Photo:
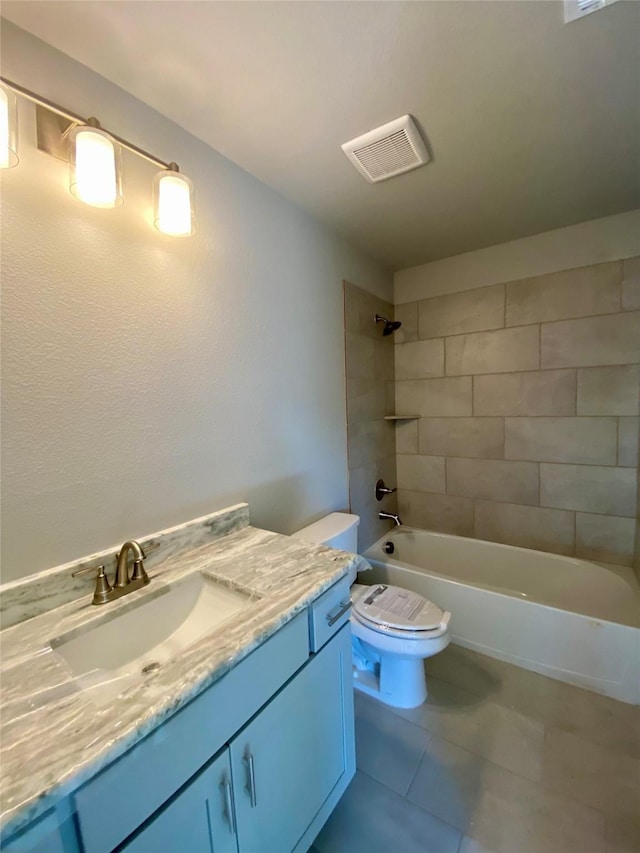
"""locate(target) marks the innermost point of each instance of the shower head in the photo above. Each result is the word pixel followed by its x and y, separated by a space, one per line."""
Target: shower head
pixel 390 326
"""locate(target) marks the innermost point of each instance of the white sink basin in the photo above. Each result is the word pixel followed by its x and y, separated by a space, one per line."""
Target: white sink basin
pixel 135 643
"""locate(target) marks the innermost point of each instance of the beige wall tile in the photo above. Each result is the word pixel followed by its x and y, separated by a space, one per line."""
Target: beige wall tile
pixel 370 440
pixel 631 285
pixel 609 390
pixel 503 351
pixel 360 308
pixel 628 429
pixel 544 392
pixel 357 386
pixel 471 311
pixel 443 513
pixel 605 537
pixel 594 341
pixel 362 482
pixel 420 473
pixel 481 437
pixel 589 488
pixel 590 441
pixel 437 397
pixel 571 293
pixel 383 359
pixel 366 400
pixel 390 388
pixel 419 359
pixel 407 314
pixel 359 356
pixel 526 526
pixel 364 503
pixel 494 479
pixel 407 436
pixel 371 528
pixel 354 451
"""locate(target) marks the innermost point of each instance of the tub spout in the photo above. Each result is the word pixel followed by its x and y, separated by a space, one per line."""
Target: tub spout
pixel 391 517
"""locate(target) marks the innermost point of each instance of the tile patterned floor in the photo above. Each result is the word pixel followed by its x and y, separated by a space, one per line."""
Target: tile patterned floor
pixel 498 760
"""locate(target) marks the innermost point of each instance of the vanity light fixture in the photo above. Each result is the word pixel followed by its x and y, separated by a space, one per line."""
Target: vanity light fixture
pixel 95 157
pixel 173 203
pixel 94 165
pixel 8 128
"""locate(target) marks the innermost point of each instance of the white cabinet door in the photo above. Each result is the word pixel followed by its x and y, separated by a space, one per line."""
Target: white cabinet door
pixel 42 836
pixel 199 819
pixel 286 762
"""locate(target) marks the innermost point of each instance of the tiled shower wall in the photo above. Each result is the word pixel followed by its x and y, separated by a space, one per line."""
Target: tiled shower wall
pixel 369 361
pixel 527 396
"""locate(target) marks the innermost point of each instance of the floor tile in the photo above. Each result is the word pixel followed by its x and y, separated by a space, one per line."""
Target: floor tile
pixel 499 810
pixel 623 833
pixel 603 721
pixel 503 735
pixel 591 774
pixel 448 782
pixel 370 818
pixel 388 748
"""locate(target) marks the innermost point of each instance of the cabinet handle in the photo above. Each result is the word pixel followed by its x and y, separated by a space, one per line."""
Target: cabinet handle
pixel 250 787
pixel 344 606
pixel 230 811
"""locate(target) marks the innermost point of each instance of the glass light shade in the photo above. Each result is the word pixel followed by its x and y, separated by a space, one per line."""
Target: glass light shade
pixel 95 167
pixel 8 128
pixel 173 204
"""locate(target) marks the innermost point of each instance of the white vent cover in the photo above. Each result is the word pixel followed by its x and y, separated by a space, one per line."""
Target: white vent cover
pixel 389 150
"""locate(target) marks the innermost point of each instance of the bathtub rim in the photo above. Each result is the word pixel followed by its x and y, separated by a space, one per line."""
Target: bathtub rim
pixel 627 574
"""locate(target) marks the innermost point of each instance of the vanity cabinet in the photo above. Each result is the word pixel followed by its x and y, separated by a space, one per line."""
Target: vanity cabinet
pixel 263 792
pixel 290 758
pixel 256 762
pixel 43 836
pixel 199 818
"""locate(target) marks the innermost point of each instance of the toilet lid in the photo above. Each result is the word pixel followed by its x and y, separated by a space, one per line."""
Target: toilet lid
pixel 398 608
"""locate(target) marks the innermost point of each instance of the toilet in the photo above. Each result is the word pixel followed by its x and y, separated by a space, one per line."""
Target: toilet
pixel 393 629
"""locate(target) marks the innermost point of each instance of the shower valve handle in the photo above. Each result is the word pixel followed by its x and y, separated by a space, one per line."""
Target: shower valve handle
pixel 382 490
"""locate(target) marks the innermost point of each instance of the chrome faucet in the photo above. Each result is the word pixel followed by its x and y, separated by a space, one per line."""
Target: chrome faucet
pixel 391 517
pixel 122 584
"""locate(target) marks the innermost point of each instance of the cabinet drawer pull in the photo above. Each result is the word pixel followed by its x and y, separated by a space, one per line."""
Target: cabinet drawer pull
pixel 344 606
pixel 250 787
pixel 230 811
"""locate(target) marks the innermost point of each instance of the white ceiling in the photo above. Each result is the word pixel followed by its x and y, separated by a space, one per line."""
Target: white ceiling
pixel 532 124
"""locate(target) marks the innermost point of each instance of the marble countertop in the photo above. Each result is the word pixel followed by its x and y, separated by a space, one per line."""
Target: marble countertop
pixel 53 737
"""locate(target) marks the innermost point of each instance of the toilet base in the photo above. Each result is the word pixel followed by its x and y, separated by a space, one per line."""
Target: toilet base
pixel 401 683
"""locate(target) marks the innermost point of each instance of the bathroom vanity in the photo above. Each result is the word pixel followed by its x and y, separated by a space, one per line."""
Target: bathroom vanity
pixel 242 741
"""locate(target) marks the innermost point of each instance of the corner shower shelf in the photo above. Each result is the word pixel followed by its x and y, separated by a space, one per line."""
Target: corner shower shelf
pixel 401 417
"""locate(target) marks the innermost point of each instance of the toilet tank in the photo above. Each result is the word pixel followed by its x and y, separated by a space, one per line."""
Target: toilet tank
pixel 338 530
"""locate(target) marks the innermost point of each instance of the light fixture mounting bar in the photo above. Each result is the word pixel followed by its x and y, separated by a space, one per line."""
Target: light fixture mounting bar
pixel 74 118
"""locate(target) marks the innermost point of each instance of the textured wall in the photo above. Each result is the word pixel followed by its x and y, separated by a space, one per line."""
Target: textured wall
pixel 370 390
pixel 149 380
pixel 528 397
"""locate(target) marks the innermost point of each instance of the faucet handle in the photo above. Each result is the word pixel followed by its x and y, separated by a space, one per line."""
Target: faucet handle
pixel 103 587
pixel 90 570
pixel 139 572
pixel 382 490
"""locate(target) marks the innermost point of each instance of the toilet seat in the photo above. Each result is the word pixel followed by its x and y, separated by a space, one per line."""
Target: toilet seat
pixel 398 612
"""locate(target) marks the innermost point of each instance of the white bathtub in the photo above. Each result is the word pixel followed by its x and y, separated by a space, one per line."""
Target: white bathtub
pixel 570 619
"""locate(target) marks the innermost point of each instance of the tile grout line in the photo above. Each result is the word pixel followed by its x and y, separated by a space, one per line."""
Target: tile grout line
pixel 515 503
pixel 417 805
pixel 538 783
pixel 540 322
pixel 415 773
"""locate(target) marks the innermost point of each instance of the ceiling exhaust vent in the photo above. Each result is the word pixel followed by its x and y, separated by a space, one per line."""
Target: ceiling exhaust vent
pixel 389 150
